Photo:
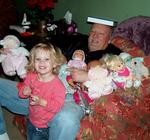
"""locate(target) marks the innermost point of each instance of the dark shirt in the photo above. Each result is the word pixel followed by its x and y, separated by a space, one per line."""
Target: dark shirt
pixel 96 55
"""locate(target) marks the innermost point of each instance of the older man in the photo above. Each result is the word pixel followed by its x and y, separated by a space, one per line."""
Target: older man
pixel 98 44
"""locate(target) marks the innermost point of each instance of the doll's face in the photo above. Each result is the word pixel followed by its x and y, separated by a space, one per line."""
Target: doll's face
pixel 78 55
pixel 10 44
pixel 118 67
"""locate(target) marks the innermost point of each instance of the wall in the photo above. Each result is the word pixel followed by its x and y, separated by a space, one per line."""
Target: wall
pixel 20 4
pixel 117 10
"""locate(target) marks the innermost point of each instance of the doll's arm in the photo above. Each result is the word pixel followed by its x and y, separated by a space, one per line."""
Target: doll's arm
pixel 2 57
pixel 22 50
pixel 70 81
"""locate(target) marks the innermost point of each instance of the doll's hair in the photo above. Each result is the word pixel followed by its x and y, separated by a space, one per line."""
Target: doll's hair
pixel 55 54
pixel 81 51
pixel 111 61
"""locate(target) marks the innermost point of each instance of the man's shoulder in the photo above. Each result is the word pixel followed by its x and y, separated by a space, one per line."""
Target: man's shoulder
pixel 96 55
pixel 113 49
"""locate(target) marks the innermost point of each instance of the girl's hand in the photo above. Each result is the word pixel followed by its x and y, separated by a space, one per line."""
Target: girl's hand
pixel 27 91
pixel 36 100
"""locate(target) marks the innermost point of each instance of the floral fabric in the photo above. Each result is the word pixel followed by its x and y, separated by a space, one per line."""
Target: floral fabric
pixel 121 115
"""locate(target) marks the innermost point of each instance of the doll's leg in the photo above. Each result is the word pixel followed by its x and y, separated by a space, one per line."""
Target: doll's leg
pixel 137 83
pixel 20 67
pixel 8 67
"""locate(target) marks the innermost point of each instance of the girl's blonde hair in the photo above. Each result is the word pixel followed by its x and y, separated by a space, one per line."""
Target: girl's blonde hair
pixel 111 61
pixel 55 54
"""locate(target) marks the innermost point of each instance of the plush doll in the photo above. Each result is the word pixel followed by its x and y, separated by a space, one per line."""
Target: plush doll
pixel 15 60
pixel 121 74
pixel 99 83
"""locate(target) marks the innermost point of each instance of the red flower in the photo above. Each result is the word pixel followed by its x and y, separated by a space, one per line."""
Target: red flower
pixel 38 10
pixel 42 4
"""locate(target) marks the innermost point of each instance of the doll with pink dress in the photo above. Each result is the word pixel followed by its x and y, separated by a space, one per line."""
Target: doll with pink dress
pixel 80 96
pixel 121 74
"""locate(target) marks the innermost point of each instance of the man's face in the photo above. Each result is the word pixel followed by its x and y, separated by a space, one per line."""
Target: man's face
pixel 99 37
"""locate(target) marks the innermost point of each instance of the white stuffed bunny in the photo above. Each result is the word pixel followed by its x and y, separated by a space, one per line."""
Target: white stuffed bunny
pixel 15 60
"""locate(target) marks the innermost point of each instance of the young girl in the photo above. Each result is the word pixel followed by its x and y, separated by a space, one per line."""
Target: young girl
pixel 45 91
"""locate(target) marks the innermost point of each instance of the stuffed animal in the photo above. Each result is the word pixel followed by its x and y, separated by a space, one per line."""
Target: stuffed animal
pixel 138 68
pixel 99 83
pixel 136 64
pixel 15 60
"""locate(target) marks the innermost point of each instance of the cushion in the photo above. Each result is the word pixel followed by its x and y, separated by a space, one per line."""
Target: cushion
pixel 136 29
pixel 128 46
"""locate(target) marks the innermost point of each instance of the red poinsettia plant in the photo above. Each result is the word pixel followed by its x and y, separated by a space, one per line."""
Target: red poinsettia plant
pixel 42 4
pixel 38 10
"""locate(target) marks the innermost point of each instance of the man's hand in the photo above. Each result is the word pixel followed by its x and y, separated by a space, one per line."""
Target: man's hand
pixel 78 75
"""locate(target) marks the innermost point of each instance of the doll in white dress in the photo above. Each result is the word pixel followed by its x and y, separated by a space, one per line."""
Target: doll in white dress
pixel 15 60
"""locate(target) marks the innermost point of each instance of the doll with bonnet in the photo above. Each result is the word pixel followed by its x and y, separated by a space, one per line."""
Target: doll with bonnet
pixel 15 60
pixel 78 62
pixel 81 97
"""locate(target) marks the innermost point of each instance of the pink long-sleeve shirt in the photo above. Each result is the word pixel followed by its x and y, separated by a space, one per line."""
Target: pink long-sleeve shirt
pixel 53 92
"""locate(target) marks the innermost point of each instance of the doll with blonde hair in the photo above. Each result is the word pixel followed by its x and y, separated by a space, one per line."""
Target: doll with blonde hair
pixel 121 74
pixel 44 89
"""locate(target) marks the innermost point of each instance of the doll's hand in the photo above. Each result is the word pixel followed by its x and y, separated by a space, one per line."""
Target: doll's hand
pixel 71 83
pixel 27 91
pixel 5 51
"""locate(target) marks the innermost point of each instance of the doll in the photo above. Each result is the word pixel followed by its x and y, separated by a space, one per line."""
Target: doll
pixel 77 61
pixel 80 96
pixel 121 74
pixel 99 83
pixel 15 60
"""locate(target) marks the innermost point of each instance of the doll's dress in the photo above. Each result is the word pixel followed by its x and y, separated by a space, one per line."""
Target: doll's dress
pixel 121 79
